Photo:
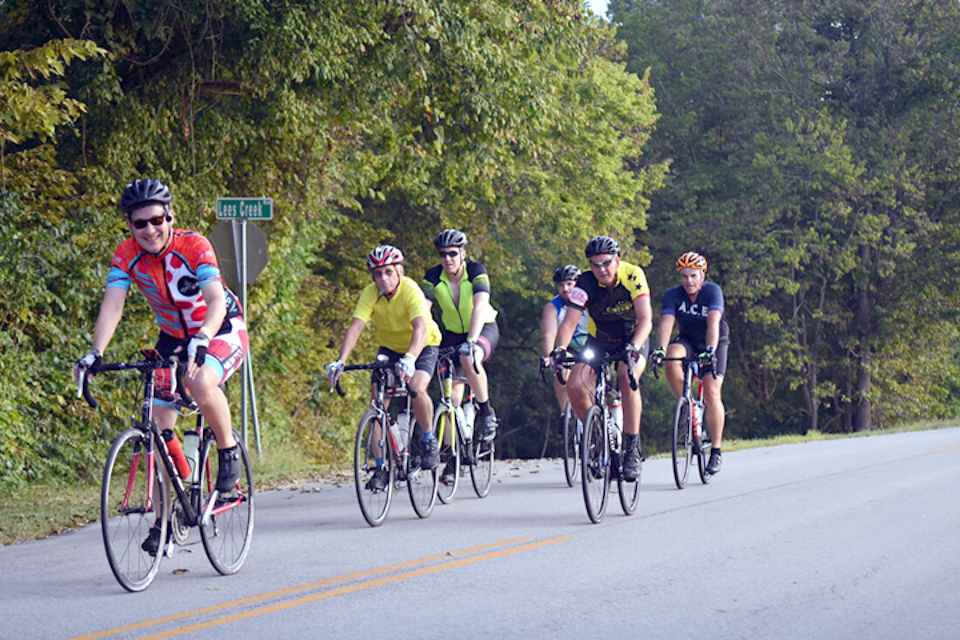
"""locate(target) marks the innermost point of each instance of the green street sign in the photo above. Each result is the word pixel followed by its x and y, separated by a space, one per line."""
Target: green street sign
pixel 244 208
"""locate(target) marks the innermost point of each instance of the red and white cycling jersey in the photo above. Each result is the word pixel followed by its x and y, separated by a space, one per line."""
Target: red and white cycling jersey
pixel 172 281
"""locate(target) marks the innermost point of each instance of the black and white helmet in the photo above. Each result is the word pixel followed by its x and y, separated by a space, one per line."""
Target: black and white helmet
pixel 601 245
pixel 450 238
pixel 384 255
pixel 140 193
pixel 566 272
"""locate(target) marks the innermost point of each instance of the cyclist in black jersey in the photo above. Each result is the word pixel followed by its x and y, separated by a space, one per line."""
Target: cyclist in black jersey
pixel 696 307
pixel 617 297
pixel 461 290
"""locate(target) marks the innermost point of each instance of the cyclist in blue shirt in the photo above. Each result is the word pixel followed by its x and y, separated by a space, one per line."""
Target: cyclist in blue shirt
pixel 565 279
pixel 696 307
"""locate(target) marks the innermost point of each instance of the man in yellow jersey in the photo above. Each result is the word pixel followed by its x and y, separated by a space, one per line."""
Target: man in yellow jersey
pixel 461 289
pixel 617 297
pixel 406 334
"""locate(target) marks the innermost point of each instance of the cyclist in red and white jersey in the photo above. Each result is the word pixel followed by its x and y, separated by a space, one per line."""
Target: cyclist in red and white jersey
pixel 177 272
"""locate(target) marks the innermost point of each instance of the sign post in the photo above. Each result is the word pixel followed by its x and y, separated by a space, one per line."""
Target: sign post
pixel 238 211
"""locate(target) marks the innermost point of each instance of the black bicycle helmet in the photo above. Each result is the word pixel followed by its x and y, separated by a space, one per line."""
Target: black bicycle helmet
pixel 602 244
pixel 566 272
pixel 450 238
pixel 140 193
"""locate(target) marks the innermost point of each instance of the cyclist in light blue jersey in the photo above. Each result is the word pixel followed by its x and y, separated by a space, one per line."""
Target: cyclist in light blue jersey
pixel 564 278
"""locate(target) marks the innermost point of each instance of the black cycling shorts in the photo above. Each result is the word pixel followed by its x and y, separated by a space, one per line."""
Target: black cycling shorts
pixel 696 349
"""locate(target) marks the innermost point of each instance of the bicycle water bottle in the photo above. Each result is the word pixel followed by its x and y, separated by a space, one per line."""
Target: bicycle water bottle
pixel 191 451
pixel 402 426
pixel 469 411
pixel 616 415
pixel 176 452
pixel 697 417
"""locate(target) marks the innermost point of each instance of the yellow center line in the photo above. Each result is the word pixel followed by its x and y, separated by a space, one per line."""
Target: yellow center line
pixel 946 447
pixel 345 590
pixel 289 590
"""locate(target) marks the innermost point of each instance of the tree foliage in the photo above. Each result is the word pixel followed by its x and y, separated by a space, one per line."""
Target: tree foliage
pixel 366 122
pixel 812 152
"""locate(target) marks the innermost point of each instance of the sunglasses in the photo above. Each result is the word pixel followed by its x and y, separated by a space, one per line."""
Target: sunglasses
pixel 142 224
pixel 601 265
pixel 449 254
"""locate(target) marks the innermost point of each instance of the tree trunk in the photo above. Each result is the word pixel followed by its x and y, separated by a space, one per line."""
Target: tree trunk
pixel 861 414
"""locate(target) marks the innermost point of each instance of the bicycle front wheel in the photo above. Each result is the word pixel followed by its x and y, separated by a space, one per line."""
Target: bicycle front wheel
pixel 571 444
pixel 374 496
pixel 595 464
pixel 227 529
pixel 481 465
pixel 133 500
pixel 704 455
pixel 421 484
pixel 449 452
pixel 682 441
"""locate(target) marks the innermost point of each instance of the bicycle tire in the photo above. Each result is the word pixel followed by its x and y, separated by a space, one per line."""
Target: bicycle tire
pixel 481 467
pixel 703 458
pixel 682 441
pixel 371 440
pixel 421 485
pixel 595 464
pixel 449 453
pixel 629 491
pixel 129 508
pixel 571 445
pixel 228 531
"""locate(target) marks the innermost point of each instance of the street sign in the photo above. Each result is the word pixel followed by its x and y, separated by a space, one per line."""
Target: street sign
pixel 255 258
pixel 244 208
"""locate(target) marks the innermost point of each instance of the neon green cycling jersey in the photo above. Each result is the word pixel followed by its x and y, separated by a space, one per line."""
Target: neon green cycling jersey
pixel 455 318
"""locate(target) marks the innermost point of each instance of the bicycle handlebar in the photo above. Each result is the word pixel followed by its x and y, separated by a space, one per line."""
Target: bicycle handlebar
pixel 605 359
pixel 147 366
pixel 687 361
pixel 371 367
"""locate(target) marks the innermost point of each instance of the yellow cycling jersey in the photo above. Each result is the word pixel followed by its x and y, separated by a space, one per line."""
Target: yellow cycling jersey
pixel 456 317
pixel 393 316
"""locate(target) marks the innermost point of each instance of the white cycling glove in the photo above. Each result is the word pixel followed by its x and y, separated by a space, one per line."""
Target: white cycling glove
pixel 334 371
pixel 406 367
pixel 197 347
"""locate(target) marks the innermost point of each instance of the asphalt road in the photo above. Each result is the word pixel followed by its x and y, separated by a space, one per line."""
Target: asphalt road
pixel 854 538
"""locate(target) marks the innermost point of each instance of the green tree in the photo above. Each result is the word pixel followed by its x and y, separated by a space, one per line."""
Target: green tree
pixel 809 164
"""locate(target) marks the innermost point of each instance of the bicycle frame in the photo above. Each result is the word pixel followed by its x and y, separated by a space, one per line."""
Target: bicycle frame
pixel 195 514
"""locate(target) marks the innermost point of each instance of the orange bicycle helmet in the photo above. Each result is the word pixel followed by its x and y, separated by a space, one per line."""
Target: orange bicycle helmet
pixel 691 260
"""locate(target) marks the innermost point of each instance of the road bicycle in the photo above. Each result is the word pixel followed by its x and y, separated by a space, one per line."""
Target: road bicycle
pixel 135 493
pixel 461 447
pixel 601 444
pixel 390 446
pixel 690 435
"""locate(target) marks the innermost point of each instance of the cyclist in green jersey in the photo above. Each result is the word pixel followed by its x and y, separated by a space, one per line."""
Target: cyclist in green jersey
pixel 461 290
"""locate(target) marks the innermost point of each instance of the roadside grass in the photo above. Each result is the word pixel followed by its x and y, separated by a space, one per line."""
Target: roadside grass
pixel 38 511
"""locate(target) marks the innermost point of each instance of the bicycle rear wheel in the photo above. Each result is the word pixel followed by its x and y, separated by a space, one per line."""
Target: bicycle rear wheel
pixel 630 491
pixel 372 443
pixel 595 464
pixel 449 453
pixel 571 445
pixel 132 501
pixel 422 485
pixel 481 465
pixel 682 441
pixel 227 531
